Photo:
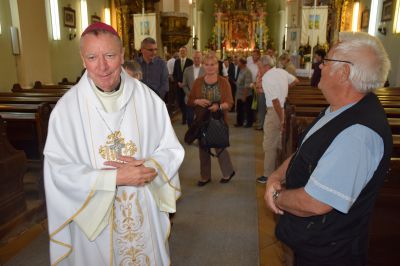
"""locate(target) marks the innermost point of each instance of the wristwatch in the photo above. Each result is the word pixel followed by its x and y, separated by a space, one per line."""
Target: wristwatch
pixel 275 195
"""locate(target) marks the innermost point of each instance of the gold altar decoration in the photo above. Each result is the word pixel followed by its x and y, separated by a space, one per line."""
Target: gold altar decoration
pixel 240 26
pixel 346 15
pixel 124 10
pixel 340 18
pixel 174 30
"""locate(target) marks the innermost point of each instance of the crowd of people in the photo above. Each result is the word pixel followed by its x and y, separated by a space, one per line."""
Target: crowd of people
pixel 112 157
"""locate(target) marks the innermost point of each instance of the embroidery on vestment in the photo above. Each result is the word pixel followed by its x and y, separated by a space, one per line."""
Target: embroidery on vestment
pixel 129 228
pixel 116 146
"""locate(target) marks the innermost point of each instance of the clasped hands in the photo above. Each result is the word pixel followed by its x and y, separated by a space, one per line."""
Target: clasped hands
pixel 213 107
pixel 273 185
pixel 132 172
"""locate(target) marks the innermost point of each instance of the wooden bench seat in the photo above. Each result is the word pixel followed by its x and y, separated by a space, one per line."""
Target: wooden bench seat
pixel 39 85
pixel 35 99
pixel 315 110
pixel 302 117
pixel 32 94
pixel 42 88
pixel 324 103
pixel 385 222
pixel 18 107
pixel 321 97
pixel 27 130
pixel 12 168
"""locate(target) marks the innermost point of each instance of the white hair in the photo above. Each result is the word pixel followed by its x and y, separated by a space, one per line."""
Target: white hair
pixel 370 62
pixel 267 60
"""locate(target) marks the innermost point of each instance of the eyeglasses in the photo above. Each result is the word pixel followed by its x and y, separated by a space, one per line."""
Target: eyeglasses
pixel 151 50
pixel 335 60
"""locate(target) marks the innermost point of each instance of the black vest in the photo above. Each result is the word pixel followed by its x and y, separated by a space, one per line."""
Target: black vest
pixel 335 234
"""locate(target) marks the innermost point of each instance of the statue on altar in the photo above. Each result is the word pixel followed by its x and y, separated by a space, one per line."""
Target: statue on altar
pixel 240 25
pixel 240 4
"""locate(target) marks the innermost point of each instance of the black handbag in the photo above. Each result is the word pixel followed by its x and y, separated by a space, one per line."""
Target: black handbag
pixel 214 132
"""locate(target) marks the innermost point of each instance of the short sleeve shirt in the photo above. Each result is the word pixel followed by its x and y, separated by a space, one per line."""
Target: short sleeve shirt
pixel 346 166
pixel 275 84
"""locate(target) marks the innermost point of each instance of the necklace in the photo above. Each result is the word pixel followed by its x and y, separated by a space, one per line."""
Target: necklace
pixel 115 139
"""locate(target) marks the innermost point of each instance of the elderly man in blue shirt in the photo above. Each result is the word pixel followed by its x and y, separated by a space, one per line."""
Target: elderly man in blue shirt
pixel 155 72
pixel 333 179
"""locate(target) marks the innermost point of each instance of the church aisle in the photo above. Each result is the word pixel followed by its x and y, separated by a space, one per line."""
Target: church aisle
pixel 217 224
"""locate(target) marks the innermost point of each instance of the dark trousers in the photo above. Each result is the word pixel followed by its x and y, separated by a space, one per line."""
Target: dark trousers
pixel 170 98
pixel 189 115
pixel 224 161
pixel 249 112
pixel 239 112
pixel 233 88
pixel 181 103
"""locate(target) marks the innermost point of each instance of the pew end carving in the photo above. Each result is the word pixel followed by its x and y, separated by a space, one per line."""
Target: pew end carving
pixel 13 165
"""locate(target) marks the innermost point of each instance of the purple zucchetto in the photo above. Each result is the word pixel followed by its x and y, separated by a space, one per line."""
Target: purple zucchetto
pixel 99 26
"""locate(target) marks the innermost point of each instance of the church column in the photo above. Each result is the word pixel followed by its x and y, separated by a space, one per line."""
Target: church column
pixel 200 32
pixel 218 15
pixel 282 22
pixel 126 24
pixel 261 28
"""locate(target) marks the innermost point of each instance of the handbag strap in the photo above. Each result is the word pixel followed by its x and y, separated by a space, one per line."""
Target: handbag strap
pixel 217 115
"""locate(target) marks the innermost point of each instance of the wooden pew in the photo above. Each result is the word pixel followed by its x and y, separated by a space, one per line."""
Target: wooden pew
pixel 298 123
pixel 303 81
pixel 16 107
pixel 299 117
pixel 385 222
pixel 313 111
pixel 38 85
pixel 33 99
pixel 324 103
pixel 28 130
pixel 19 89
pixel 55 93
pixel 65 81
pixel 321 97
pixel 308 90
pixel 12 168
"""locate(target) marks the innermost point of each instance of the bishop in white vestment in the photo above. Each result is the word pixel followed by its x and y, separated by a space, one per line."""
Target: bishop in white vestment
pixel 92 135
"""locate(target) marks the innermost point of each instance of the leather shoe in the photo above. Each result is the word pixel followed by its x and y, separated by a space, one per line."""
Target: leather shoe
pixel 247 126
pixel 226 180
pixel 202 183
pixel 237 125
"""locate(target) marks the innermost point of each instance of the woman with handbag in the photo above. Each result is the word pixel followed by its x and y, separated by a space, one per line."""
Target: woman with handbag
pixel 210 94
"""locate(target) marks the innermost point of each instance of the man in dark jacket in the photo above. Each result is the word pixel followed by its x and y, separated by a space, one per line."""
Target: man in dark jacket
pixel 179 67
pixel 319 56
pixel 332 180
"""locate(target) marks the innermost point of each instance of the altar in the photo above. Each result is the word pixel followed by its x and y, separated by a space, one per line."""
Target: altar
pixel 239 27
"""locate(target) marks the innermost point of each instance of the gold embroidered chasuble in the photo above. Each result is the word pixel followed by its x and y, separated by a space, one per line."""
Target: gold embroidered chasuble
pixel 87 213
